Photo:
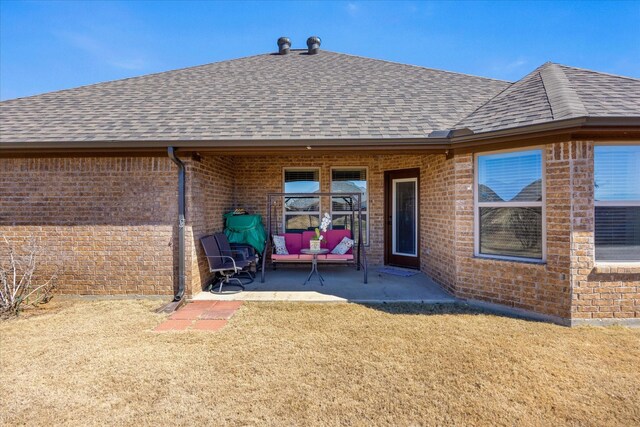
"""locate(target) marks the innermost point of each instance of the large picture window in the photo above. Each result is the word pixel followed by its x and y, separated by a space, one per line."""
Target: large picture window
pixel 617 202
pixel 351 180
pixel 301 213
pixel 509 205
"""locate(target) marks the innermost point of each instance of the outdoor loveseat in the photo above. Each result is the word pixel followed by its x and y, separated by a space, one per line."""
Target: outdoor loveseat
pixel 297 241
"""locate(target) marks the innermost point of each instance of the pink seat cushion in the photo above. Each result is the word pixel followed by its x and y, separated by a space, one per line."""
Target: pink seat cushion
pixel 276 257
pixel 331 239
pixel 293 242
pixel 335 236
pixel 307 257
pixel 339 257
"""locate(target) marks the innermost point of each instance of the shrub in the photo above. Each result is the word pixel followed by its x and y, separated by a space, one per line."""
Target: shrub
pixel 21 280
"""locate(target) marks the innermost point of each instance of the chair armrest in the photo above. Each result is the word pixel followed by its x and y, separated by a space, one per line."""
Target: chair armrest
pixel 235 267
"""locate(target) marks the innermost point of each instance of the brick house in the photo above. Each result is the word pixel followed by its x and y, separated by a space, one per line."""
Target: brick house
pixel 526 194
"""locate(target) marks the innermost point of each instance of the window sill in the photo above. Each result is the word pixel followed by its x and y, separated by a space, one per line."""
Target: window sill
pixel 617 267
pixel 510 259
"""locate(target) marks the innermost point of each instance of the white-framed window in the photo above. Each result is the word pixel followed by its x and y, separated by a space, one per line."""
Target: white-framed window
pixel 350 180
pixel 301 213
pixel 617 203
pixel 509 205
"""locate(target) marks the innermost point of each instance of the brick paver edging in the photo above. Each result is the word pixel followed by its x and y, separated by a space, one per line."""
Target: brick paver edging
pixel 200 316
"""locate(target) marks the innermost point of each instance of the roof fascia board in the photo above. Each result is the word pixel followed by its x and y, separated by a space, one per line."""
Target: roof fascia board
pixel 382 144
pixel 563 126
pixel 522 130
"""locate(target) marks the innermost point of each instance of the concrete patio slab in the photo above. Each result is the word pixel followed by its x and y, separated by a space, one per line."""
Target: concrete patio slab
pixel 342 284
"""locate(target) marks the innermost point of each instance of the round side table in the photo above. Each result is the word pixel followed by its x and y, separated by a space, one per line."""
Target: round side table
pixel 314 263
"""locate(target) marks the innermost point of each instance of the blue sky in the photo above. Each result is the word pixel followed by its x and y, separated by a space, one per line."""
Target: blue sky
pixel 50 45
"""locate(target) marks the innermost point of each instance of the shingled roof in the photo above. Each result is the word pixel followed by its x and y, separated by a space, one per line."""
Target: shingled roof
pixel 327 96
pixel 555 92
pixel 296 96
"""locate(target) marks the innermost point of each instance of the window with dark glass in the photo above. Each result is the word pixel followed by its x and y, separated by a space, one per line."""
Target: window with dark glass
pixel 617 202
pixel 301 213
pixel 509 205
pixel 352 180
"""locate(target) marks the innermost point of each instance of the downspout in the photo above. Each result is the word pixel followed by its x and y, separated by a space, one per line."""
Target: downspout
pixel 181 222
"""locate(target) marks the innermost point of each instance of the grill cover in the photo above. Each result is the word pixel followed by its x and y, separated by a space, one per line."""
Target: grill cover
pixel 246 229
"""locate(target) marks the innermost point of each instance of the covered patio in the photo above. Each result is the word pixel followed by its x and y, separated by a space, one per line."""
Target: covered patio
pixel 341 284
pixel 291 200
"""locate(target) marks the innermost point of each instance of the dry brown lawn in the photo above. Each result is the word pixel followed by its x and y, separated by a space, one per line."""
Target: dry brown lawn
pixel 97 363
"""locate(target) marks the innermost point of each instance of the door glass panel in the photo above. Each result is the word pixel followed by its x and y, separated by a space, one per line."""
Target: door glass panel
pixel 404 221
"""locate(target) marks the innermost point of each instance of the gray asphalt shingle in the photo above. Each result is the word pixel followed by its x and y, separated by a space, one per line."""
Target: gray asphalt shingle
pixel 299 96
pixel 555 92
pixel 605 94
pixel 296 96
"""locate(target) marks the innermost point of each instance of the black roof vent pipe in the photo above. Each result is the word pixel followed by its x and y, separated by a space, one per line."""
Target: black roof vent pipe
pixel 284 44
pixel 313 43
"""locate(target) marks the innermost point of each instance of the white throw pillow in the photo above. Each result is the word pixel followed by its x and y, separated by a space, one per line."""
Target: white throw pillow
pixel 281 246
pixel 343 247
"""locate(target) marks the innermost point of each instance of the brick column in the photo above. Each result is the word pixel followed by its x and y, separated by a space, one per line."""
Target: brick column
pixel 601 293
pixel 463 211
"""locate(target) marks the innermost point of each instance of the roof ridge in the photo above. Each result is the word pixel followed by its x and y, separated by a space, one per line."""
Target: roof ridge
pixel 510 86
pixel 420 66
pixel 563 99
pixel 546 94
pixel 243 58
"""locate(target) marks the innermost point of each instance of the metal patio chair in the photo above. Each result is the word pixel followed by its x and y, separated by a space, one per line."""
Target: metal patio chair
pixel 239 253
pixel 225 265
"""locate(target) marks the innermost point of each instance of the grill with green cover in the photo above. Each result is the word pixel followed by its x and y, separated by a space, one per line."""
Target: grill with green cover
pixel 246 229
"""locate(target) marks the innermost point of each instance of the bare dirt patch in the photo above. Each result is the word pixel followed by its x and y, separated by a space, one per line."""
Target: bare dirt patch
pixel 299 364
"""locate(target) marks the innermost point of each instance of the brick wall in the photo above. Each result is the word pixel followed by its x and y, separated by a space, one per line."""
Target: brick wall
pixel 569 285
pixel 603 291
pixel 210 186
pixel 257 176
pixel 543 288
pixel 107 221
pixel 110 221
pixel 437 220
pixel 447 233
